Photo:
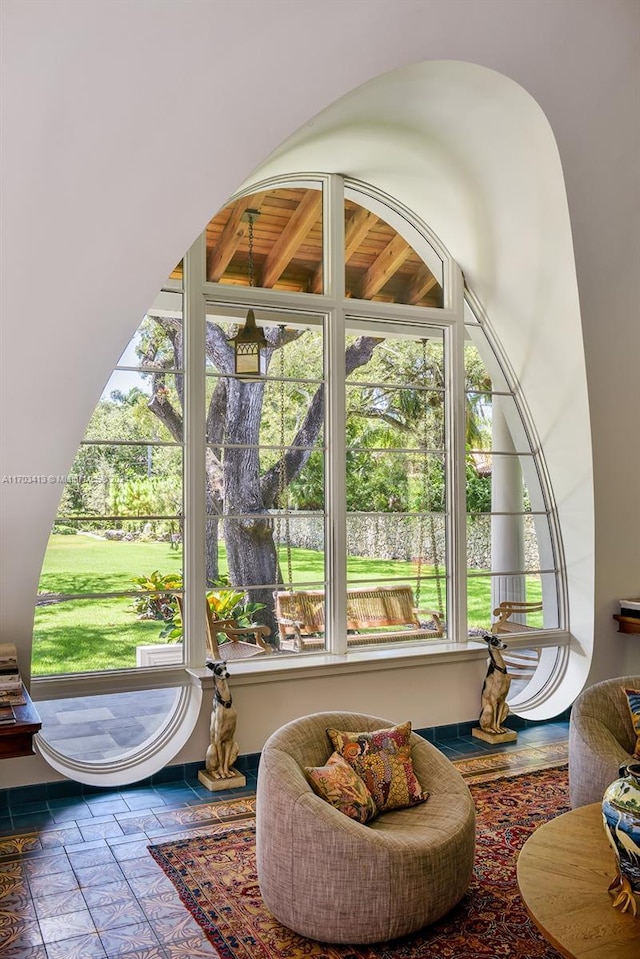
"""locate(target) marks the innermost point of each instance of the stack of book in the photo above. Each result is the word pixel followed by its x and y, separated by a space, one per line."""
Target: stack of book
pixel 630 608
pixel 11 691
pixel 629 618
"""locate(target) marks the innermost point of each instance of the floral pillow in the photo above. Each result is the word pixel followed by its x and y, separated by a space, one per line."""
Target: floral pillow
pixel 340 785
pixel 382 759
pixel 633 699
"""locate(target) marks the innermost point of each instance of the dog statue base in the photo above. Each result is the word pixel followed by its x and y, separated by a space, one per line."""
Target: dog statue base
pixel 235 781
pixel 507 737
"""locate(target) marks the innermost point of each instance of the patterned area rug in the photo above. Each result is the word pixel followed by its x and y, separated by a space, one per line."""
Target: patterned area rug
pixel 513 762
pixel 215 876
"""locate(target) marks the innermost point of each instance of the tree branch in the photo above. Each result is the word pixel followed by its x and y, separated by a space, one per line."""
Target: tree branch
pixel 289 466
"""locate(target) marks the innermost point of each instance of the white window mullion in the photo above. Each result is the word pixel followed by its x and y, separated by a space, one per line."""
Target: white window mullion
pixel 194 456
pixel 455 470
pixel 335 434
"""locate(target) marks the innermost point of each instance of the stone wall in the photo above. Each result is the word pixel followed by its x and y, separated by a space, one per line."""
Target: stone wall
pixel 396 536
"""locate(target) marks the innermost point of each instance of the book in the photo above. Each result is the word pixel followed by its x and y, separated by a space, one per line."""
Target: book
pixel 10 684
pixel 7 716
pixel 630 608
pixel 12 699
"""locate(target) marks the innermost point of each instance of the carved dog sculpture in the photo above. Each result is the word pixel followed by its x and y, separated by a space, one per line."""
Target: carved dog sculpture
pixel 494 709
pixel 223 751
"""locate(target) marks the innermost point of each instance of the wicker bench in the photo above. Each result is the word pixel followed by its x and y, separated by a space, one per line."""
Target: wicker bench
pixel 301 619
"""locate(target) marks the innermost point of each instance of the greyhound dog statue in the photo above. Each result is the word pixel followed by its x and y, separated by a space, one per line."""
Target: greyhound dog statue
pixel 223 750
pixel 494 708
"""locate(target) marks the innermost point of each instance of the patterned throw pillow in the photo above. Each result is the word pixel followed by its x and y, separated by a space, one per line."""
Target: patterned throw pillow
pixel 633 698
pixel 340 785
pixel 382 759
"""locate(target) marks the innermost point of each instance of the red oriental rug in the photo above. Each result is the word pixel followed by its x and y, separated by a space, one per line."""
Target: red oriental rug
pixel 215 876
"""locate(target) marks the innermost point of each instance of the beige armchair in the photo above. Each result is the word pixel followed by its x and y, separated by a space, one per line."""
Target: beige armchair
pixel 330 878
pixel 601 738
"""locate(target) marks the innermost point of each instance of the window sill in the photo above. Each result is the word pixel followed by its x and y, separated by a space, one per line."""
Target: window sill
pixel 275 668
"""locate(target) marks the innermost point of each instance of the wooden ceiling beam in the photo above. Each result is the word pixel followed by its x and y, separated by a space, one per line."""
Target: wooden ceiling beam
pixel 383 267
pixel 421 283
pixel 306 214
pixel 359 224
pixel 219 256
pixel 356 230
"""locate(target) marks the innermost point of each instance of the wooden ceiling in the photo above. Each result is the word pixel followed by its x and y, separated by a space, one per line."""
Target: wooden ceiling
pixel 287 247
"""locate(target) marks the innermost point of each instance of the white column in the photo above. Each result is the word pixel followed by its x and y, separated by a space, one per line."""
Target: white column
pixel 507 532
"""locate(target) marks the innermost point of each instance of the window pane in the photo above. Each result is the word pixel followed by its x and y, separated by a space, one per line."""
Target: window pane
pixel 284 229
pixel 265 462
pixel 485 532
pixel 157 343
pixel 112 480
pixel 89 635
pixel 139 407
pixel 532 588
pixel 389 262
pixel 98 728
pixel 395 487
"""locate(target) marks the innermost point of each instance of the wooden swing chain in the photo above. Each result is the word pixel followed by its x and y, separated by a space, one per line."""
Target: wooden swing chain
pixel 425 479
pixel 283 499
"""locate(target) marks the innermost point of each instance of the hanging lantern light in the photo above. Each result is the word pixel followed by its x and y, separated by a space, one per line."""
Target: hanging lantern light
pixel 249 342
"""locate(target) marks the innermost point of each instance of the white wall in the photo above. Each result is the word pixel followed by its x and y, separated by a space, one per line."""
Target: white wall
pixel 122 133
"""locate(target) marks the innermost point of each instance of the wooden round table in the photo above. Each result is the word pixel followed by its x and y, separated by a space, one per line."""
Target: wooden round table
pixel 564 871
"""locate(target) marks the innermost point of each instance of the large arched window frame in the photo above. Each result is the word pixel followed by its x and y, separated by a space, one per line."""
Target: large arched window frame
pixel 452 318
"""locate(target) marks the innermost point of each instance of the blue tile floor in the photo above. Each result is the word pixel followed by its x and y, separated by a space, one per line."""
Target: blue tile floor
pixel 77 882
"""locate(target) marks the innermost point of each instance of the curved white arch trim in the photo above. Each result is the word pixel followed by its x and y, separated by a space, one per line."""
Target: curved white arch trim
pixel 136 764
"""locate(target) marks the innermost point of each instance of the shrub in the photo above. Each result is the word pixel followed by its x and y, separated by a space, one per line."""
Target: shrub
pixel 157 600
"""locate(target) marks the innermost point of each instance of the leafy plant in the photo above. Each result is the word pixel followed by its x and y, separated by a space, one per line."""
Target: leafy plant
pixel 157 600
pixel 225 603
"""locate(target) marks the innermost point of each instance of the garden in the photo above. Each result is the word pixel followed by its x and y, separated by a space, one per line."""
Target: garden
pixel 102 632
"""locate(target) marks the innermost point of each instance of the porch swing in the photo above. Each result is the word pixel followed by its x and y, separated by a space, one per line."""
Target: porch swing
pixel 300 614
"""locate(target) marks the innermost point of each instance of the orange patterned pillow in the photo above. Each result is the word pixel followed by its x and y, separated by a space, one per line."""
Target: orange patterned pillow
pixel 341 786
pixel 382 759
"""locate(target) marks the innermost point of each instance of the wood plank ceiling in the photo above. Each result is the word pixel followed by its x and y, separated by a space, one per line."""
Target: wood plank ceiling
pixel 287 247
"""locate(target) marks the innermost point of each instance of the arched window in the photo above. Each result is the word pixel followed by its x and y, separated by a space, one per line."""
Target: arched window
pixel 378 485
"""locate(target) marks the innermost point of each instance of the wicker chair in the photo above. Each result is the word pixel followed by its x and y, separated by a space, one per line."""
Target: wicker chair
pixel 601 738
pixel 330 878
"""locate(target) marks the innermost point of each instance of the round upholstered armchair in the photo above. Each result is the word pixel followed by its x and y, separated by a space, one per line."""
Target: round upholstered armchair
pixel 601 738
pixel 334 879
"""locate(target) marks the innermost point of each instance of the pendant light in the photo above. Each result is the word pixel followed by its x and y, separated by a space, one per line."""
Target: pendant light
pixel 249 342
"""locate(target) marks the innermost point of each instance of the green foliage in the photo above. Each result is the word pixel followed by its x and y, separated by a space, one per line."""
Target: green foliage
pixel 146 496
pixel 225 603
pixel 478 490
pixel 60 529
pixel 157 600
pixel 98 467
pixel 306 491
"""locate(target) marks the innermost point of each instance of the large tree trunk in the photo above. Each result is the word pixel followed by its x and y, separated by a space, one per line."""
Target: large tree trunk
pixel 251 551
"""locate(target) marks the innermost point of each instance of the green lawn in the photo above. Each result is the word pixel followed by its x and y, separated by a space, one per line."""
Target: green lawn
pixel 84 635
pixel 82 564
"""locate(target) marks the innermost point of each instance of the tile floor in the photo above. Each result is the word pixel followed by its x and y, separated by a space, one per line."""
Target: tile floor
pixel 77 882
